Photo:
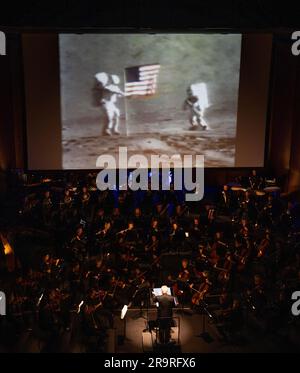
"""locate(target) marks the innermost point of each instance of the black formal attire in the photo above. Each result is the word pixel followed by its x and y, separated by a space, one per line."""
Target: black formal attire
pixel 164 316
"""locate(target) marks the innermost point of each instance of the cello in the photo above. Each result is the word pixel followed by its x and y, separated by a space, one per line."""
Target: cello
pixel 202 291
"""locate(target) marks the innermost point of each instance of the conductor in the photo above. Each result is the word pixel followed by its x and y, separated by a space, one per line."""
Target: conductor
pixel 164 314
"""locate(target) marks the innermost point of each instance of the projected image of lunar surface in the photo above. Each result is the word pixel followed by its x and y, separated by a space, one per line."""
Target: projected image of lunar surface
pixel 154 94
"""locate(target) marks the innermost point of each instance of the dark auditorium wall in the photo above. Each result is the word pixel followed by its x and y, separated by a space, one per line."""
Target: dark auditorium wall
pixel 283 158
pixel 294 174
pixel 11 111
pixel 7 151
pixel 11 106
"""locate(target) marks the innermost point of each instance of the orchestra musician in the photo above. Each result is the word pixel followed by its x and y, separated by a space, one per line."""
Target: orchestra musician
pixel 226 201
pixel 181 286
pixel 131 233
pixel 248 206
pixel 242 251
pixel 138 219
pixel 85 196
pixel 99 220
pixel 182 215
pixel 161 214
pixel 245 230
pixel 256 295
pixel 104 238
pixel 79 245
pixel 47 208
pixel 202 290
pixel 227 263
pixel 202 259
pixel 85 207
pixel 226 269
pixel 218 249
pixel 66 208
pixel 52 316
pixel 51 269
pixel 264 246
pixel 76 283
pixel 255 182
pixel 196 230
pixel 152 251
pixel 117 220
pixel 95 317
pixel 176 236
pixel 155 229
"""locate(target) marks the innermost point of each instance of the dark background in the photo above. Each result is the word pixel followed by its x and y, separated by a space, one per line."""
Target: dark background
pixel 149 14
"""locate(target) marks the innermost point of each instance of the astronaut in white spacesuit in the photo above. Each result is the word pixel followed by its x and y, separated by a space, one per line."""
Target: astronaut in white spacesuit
pixel 110 91
pixel 196 103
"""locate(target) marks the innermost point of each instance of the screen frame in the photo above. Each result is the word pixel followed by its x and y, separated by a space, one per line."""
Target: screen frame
pixel 117 31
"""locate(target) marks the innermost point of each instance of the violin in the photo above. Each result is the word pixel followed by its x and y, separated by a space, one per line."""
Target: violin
pixel 151 247
pixel 263 246
pixel 85 198
pixel 96 295
pixel 182 212
pixel 55 299
pixel 184 275
pixel 244 231
pixel 242 257
pixel 224 275
pixel 201 293
pixel 90 309
pixel 66 202
pixel 164 210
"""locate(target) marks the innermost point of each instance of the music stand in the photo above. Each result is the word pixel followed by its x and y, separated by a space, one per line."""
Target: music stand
pixel 203 306
pixel 204 334
pixel 157 292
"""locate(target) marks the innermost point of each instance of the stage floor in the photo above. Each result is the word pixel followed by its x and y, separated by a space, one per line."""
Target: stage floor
pixel 252 340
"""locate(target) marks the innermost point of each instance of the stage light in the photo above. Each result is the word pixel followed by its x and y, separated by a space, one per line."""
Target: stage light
pixel 7 248
pixel 124 311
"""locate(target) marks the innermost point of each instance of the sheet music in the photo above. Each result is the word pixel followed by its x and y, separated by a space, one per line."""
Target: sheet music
pixel 157 291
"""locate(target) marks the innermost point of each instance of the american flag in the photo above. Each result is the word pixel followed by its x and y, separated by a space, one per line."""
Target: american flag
pixel 141 80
